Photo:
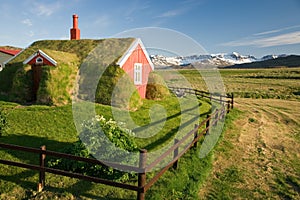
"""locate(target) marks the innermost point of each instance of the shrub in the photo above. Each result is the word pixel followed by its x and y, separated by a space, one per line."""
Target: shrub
pixel 97 140
pixel 156 87
pixel 117 89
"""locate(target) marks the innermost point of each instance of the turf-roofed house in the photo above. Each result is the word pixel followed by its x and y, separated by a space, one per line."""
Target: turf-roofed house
pixel 47 71
pixel 6 54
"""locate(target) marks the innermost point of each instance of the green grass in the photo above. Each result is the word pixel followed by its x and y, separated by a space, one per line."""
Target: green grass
pixel 184 182
pixel 38 125
pixel 224 185
pixel 54 127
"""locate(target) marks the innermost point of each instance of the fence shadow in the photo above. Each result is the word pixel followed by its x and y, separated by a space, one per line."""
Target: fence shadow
pixel 34 142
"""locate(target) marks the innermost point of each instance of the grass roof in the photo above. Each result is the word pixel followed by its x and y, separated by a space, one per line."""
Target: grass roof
pixel 55 86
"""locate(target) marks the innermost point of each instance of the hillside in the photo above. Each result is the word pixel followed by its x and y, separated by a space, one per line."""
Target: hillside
pixel 288 61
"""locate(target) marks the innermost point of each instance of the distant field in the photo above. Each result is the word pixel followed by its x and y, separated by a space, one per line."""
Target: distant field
pixel 277 83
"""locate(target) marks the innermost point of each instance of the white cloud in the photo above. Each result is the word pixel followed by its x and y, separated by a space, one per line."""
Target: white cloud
pixel 283 39
pixel 267 32
pixel 171 13
pixel 27 22
pixel 276 30
pixel 182 8
pixel 263 40
pixel 42 9
pixel 136 6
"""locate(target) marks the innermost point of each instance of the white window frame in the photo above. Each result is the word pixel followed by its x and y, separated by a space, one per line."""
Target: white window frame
pixel 39 62
pixel 138 73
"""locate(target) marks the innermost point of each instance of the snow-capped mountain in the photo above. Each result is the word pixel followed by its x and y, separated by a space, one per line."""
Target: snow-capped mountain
pixel 269 57
pixel 218 60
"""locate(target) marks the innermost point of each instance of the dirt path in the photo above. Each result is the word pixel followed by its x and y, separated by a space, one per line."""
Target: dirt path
pixel 259 157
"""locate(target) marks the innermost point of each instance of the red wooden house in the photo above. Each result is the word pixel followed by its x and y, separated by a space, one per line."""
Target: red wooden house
pixel 137 64
pixel 128 53
pixel 37 60
pixel 134 59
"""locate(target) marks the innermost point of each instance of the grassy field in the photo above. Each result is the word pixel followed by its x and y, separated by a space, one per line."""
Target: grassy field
pixel 258 156
pixel 258 152
pixel 281 83
pixel 37 125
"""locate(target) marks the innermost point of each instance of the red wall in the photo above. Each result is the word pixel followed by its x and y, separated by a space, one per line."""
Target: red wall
pixel 138 56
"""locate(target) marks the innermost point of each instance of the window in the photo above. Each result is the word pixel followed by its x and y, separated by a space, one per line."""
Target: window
pixel 137 73
pixel 39 60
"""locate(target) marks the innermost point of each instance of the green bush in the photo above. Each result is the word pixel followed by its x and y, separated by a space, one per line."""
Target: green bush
pixel 156 87
pixel 117 89
pixel 100 135
pixel 21 90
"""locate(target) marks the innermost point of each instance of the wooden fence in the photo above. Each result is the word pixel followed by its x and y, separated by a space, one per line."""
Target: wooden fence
pixel 143 185
pixel 222 99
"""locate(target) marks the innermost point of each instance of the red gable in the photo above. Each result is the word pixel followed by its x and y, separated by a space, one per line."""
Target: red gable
pixel 137 64
pixel 40 58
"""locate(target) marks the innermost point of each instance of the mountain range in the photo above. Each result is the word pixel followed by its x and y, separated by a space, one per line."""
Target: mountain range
pixel 220 60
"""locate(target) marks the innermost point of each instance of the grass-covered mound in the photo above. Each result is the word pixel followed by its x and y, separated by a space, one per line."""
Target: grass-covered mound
pixel 156 87
pixel 16 78
pixel 56 84
pixel 116 88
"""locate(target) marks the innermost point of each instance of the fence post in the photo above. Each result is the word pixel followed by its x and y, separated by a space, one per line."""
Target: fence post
pixel 41 183
pixel 216 117
pixel 231 100
pixel 223 112
pixel 228 106
pixel 142 175
pixel 207 124
pixel 175 165
pixel 195 135
pixel 221 99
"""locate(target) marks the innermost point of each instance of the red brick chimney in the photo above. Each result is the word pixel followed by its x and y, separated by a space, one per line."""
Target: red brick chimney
pixel 75 32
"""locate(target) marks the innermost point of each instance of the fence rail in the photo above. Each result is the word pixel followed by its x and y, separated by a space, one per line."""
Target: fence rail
pixel 203 94
pixel 142 185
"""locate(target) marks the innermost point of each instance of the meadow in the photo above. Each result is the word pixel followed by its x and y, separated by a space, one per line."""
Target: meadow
pixel 272 93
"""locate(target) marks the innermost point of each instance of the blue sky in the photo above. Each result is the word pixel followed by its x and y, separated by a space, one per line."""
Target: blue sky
pixel 256 27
